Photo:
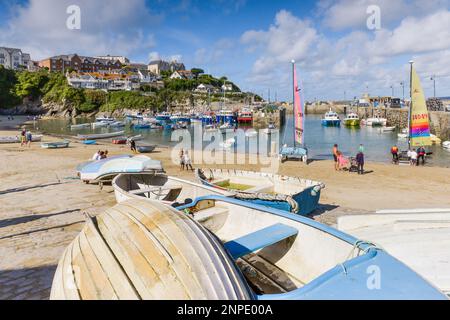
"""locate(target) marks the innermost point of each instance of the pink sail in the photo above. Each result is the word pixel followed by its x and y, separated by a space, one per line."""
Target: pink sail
pixel 298 112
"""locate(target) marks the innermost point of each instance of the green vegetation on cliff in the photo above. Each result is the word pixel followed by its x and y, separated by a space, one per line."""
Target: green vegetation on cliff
pixel 19 86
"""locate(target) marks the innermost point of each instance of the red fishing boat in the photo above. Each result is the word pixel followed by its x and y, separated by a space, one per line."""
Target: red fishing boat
pixel 245 116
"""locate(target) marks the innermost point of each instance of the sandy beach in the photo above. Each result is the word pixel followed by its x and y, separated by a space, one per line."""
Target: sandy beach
pixel 43 204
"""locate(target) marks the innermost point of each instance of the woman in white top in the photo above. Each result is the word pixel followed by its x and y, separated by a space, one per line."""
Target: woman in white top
pixel 187 161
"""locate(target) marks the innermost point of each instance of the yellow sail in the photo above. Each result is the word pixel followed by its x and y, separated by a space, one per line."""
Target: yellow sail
pixel 419 120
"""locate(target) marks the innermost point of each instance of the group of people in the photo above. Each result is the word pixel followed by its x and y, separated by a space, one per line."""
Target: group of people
pixel 100 155
pixel 25 138
pixel 341 162
pixel 414 156
pixel 185 160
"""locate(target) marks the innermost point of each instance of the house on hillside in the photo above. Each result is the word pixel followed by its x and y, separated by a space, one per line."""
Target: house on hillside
pixel 146 76
pixel 182 74
pixel 158 66
pixel 12 58
pixel 205 88
pixel 227 87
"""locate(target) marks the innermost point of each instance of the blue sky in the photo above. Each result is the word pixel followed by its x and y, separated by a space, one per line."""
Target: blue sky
pixel 252 41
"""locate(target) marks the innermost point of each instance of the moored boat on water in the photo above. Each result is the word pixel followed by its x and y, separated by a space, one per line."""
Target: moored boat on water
pixel 331 119
pixel 80 126
pixel 245 116
pixel 299 196
pixel 147 250
pixel 100 135
pixel 376 121
pixel 352 120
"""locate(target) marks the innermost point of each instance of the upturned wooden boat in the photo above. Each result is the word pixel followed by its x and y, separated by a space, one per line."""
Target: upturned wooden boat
pixel 142 250
pixel 161 187
pixel 120 140
pixel 300 196
pixel 222 248
pixel 100 135
pixel 145 148
pixel 16 139
pixel 55 145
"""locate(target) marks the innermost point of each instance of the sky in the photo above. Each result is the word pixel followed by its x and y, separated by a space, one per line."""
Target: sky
pixel 252 42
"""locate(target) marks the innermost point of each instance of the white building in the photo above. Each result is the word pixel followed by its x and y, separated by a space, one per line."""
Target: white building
pixel 182 74
pixel 96 81
pixel 122 59
pixel 146 76
pixel 12 58
pixel 204 88
pixel 227 87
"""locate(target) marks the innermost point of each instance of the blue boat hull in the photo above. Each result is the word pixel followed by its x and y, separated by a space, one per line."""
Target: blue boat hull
pixel 331 123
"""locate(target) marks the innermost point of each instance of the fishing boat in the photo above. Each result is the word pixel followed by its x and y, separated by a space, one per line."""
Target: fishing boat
pixel 117 124
pixel 80 126
pixel 55 145
pixel 331 119
pixel 245 116
pixel 299 196
pixel 100 135
pixel 226 116
pixel 418 121
pixel 89 142
pixel 164 116
pixel 144 250
pixel 352 120
pixel 388 129
pixel 406 231
pixel 222 248
pixel 207 119
pixel 145 148
pixel 119 140
pixel 298 150
pixel 161 187
pixel 101 124
pixel 376 121
pixel 105 119
pixel 106 171
pixel 140 126
pixel 446 144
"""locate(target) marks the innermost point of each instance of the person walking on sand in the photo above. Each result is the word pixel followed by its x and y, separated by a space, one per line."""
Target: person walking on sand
pixel 421 153
pixel 23 137
pixel 413 161
pixel 187 161
pixel 394 152
pixel 181 159
pixel 360 162
pixel 335 156
pixel 133 146
pixel 29 137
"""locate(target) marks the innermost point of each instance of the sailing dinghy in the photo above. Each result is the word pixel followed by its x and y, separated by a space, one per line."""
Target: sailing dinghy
pixel 300 196
pixel 298 150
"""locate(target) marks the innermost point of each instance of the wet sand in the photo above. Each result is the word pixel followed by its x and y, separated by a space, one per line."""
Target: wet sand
pixel 42 203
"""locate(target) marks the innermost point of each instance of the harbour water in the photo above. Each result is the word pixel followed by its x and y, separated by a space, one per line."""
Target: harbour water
pixel 318 139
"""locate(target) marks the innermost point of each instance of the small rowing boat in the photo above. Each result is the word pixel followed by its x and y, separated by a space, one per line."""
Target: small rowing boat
pixel 55 145
pixel 120 140
pixel 101 124
pixel 145 148
pixel 80 126
pixel 16 139
pixel 299 196
pixel 161 187
pixel 100 135
pixel 107 169
pixel 89 142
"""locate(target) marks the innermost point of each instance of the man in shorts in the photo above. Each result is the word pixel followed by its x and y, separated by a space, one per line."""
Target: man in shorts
pixel 335 157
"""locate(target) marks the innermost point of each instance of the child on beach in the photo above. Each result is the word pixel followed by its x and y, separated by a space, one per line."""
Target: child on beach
pixel 182 159
pixel 23 137
pixel 29 137
pixel 187 161
pixel 341 160
pixel 96 156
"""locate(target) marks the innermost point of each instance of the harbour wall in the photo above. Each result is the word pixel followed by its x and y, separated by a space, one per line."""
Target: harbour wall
pixel 439 120
pixel 261 119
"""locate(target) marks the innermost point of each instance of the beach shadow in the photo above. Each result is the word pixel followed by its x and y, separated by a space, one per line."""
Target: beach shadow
pixel 26 219
pixel 30 188
pixel 27 283
pixel 368 172
pixel 321 209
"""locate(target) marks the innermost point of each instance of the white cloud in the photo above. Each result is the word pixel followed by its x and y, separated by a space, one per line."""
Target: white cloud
pixel 114 27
